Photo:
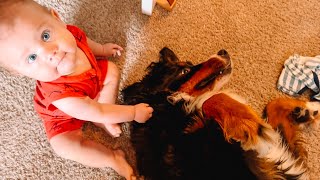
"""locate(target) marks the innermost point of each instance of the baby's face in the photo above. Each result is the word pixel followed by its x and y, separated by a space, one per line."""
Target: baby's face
pixel 38 45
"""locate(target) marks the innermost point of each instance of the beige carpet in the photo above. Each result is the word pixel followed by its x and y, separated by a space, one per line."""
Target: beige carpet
pixel 259 35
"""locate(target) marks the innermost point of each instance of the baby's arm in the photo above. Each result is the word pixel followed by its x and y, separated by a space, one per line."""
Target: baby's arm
pixel 91 110
pixel 104 50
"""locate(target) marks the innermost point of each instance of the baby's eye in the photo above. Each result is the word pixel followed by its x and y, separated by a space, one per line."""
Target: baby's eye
pixel 45 36
pixel 32 58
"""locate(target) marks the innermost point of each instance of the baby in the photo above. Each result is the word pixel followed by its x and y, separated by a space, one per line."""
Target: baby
pixel 72 87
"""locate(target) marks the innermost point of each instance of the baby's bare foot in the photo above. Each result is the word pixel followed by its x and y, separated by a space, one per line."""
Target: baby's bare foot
pixel 113 129
pixel 123 168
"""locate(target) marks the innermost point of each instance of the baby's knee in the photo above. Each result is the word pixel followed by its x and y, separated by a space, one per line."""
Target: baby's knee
pixel 64 144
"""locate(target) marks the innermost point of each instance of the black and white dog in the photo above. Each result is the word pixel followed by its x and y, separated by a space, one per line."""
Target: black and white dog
pixel 198 132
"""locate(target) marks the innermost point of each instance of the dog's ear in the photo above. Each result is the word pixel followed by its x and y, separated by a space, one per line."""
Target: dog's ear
pixel 167 55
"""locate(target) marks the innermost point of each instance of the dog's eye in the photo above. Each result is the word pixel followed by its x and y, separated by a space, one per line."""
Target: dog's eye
pixel 185 71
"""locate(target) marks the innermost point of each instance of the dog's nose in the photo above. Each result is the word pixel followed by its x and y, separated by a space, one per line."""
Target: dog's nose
pixel 224 53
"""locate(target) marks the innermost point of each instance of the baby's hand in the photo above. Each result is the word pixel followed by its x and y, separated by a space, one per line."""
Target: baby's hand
pixel 110 49
pixel 142 112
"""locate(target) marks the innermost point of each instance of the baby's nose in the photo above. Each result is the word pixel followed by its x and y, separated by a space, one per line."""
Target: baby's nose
pixel 52 55
pixel 49 52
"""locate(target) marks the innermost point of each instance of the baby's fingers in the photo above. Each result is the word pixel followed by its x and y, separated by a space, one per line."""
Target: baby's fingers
pixel 116 53
pixel 116 46
pixel 143 112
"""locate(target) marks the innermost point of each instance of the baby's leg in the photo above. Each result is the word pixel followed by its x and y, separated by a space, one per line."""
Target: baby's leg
pixel 109 94
pixel 71 145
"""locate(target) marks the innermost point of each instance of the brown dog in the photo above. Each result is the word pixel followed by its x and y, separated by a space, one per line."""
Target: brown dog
pixel 203 125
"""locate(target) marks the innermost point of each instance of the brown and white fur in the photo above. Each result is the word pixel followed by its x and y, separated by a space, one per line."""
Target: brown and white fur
pixel 270 149
pixel 274 149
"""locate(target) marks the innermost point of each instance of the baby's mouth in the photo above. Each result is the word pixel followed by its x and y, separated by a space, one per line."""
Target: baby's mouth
pixel 64 55
pixel 62 58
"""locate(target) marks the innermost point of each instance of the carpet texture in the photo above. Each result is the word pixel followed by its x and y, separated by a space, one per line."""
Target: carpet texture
pixel 259 35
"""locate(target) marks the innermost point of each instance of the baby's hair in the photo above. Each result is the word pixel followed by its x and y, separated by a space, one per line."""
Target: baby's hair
pixel 7 13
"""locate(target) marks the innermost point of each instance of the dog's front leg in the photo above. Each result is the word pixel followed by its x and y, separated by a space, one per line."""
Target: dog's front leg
pixel 238 121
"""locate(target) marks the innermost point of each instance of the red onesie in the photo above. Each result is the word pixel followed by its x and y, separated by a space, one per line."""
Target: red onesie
pixel 88 83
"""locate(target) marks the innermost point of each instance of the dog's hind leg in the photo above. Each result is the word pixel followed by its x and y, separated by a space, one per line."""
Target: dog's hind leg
pixel 238 121
pixel 299 113
pixel 290 117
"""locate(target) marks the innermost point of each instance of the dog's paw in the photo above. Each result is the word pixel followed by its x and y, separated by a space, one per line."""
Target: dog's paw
pixel 307 115
pixel 300 115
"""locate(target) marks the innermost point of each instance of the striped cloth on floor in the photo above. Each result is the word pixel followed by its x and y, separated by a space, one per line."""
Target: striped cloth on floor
pixel 299 74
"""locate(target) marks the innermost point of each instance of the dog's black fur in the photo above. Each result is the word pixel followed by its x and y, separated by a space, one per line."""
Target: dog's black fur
pixel 163 150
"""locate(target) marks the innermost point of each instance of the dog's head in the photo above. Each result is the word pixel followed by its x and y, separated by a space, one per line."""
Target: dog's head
pixel 171 74
pixel 210 75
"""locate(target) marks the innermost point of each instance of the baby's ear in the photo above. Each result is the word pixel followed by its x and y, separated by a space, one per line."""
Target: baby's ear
pixel 55 14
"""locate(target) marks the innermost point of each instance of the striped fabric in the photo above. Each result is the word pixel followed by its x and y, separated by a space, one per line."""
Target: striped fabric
pixel 299 74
